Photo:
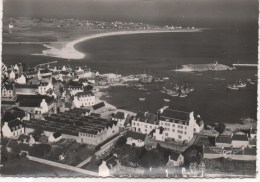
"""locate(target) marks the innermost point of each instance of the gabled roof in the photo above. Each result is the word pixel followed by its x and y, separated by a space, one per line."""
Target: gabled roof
pixel 240 138
pixel 84 94
pixel 135 135
pixel 224 139
pixel 8 86
pixel 98 106
pixel 174 114
pixel 174 156
pixel 25 86
pixel 119 115
pixel 56 134
pixel 147 117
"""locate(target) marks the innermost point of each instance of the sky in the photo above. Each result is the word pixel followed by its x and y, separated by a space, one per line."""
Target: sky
pixel 147 11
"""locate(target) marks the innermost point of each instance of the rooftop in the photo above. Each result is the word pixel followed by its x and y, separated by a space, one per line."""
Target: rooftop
pixel 147 117
pixel 240 138
pixel 135 135
pixel 224 139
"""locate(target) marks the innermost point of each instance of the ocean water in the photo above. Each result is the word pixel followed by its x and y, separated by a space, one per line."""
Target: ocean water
pixel 160 54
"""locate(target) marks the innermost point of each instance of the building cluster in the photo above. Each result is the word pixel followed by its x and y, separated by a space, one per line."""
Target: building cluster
pixel 237 146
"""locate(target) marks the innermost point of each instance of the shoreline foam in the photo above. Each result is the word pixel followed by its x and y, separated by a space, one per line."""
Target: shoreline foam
pixel 68 50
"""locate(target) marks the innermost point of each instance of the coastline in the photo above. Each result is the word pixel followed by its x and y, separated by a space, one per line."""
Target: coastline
pixel 68 50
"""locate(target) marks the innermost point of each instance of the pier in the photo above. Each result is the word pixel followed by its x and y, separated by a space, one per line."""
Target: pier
pixel 245 65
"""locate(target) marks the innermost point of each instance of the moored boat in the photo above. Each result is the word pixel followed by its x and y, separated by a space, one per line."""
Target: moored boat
pixel 166 100
pixel 232 87
pixel 142 99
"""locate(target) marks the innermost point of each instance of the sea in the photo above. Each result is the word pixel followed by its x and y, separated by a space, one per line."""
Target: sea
pixel 160 54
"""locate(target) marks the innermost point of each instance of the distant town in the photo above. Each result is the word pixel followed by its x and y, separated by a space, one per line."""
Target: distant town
pixel 55 115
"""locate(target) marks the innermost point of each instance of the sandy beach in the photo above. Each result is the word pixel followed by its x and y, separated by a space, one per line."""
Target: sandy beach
pixel 68 50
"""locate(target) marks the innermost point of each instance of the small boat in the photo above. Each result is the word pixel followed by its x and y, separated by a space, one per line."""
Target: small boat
pixel 222 79
pixel 166 100
pixel 240 85
pixel 232 87
pixel 252 83
pixel 142 99
pixel 183 95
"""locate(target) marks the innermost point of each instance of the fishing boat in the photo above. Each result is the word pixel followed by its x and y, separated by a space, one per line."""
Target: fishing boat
pixel 142 99
pixel 232 87
pixel 166 100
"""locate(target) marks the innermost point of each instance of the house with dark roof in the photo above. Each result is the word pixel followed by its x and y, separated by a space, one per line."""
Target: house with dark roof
pixel 8 91
pixel 55 137
pixel 240 140
pixel 175 159
pixel 135 139
pixel 120 117
pixel 179 125
pixel 15 113
pixel 71 125
pixel 223 141
pixel 44 87
pixel 37 104
pixel 25 89
pixel 13 129
pixel 107 166
pixel 84 99
pixel 99 108
pixel 145 122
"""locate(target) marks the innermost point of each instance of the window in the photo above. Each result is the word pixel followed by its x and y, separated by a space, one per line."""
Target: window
pixel 166 134
pixel 179 131
pixel 145 130
pixel 173 125
pixel 133 123
pixel 145 125
pixel 179 136
pixel 185 127
pixel 151 127
pixel 179 126
pixel 185 132
pixel 173 130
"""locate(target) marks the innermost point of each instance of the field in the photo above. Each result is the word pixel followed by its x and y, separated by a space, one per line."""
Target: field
pixel 25 167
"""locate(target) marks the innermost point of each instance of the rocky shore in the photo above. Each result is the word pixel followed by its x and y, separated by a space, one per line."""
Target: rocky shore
pixel 204 67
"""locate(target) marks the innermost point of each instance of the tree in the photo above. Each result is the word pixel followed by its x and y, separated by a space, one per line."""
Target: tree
pixel 37 134
pixel 121 141
pixel 39 150
pixel 88 88
pixel 221 128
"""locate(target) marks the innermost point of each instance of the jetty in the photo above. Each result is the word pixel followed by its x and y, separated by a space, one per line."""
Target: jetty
pixel 245 65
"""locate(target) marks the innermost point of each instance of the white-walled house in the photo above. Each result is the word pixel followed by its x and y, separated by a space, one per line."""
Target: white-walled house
pixel 21 79
pixel 175 160
pixel 12 129
pixel 168 124
pixel 83 99
pixel 120 117
pixel 44 87
pixel 8 91
pixel 145 122
pixel 135 139
pixel 107 166
pixel 37 104
pixel 178 125
pixel 12 75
